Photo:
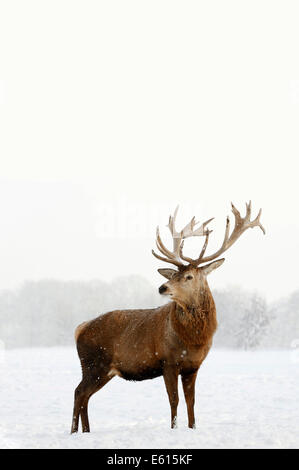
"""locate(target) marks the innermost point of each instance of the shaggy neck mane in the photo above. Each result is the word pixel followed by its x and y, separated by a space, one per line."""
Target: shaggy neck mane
pixel 195 322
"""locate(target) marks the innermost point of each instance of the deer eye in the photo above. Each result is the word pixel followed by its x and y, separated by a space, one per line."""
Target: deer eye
pixel 189 277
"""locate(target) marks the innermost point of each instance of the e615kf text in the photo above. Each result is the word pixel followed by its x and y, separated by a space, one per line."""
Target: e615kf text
pixel 174 459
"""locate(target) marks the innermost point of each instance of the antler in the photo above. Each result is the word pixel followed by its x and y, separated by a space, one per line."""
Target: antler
pixel 241 224
pixel 176 256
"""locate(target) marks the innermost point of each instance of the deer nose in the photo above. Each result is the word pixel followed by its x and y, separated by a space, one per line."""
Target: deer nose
pixel 162 289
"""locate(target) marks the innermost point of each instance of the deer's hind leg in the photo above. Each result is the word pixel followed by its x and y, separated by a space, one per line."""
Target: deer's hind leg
pixel 78 400
pixel 87 387
pixel 84 405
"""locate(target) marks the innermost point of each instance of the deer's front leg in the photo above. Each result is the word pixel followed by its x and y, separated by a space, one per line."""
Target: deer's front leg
pixel 188 381
pixel 171 382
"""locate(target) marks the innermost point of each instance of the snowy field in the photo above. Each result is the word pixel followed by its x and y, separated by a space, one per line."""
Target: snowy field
pixel 243 400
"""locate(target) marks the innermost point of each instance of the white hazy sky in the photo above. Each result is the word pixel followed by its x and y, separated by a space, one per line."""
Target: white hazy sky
pixel 113 112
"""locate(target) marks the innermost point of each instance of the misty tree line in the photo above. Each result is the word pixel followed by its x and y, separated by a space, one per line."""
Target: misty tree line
pixel 45 313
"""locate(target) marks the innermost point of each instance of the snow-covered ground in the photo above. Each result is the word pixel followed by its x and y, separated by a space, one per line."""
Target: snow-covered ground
pixel 243 400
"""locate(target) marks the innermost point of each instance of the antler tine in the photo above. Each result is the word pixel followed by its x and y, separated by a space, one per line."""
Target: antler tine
pixel 257 222
pixel 189 232
pixel 182 256
pixel 248 210
pixel 171 222
pixel 237 214
pixel 227 230
pixel 172 261
pixel 205 244
pixel 169 256
pixel 161 247
pixel 176 236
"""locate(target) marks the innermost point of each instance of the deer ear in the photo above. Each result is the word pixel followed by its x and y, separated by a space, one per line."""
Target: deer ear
pixel 214 265
pixel 168 273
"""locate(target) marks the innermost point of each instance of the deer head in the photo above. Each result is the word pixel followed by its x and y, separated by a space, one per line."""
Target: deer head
pixel 189 278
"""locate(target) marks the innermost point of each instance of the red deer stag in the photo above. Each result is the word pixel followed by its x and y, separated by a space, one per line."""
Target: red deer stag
pixel 170 340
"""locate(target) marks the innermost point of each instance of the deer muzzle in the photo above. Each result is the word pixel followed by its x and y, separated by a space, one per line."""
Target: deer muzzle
pixel 162 289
